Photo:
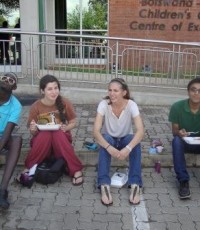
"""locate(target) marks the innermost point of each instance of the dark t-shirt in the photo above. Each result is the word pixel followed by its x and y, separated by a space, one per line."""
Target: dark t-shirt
pixel 17 36
pixel 181 114
pixel 4 36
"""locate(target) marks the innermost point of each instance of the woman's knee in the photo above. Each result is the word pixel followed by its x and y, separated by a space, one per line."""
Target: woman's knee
pixel 129 137
pixel 44 135
pixel 41 138
pixel 108 138
pixel 60 136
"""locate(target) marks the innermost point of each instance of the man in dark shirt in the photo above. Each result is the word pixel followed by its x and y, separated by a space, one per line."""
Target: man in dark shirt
pixel 185 118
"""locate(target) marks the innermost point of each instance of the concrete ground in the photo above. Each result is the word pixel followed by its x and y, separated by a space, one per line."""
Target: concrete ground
pixel 64 206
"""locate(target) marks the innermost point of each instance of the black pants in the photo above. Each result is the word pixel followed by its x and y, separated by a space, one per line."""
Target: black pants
pixel 4 47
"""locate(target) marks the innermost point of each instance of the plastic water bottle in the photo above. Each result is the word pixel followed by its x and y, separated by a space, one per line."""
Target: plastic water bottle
pixel 152 150
pixel 158 166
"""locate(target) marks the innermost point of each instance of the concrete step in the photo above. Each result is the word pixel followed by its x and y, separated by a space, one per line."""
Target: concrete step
pixel 154 105
pixel 91 93
pixel 90 158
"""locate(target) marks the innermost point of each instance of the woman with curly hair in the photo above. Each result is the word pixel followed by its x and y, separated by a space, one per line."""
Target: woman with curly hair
pixel 53 109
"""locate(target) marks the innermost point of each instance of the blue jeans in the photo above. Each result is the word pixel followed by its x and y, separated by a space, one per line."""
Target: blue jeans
pixel 179 148
pixel 134 175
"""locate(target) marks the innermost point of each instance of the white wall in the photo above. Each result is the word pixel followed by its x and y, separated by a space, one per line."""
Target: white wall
pixel 50 25
pixel 29 15
pixel 29 22
pixel 50 15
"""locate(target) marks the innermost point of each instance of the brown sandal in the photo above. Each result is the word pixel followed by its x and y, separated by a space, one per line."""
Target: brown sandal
pixel 75 178
pixel 105 192
pixel 134 194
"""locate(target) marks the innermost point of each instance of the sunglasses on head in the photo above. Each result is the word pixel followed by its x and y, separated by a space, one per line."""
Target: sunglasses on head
pixel 7 79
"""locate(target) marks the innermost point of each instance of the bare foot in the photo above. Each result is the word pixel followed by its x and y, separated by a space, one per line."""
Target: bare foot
pixel 134 194
pixel 78 178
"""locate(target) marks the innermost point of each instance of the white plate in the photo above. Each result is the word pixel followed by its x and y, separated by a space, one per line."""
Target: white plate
pixel 48 127
pixel 192 140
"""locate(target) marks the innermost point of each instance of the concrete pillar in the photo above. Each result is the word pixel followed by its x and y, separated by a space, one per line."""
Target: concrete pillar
pixel 40 16
pixel 29 19
pixel 49 15
pixel 50 27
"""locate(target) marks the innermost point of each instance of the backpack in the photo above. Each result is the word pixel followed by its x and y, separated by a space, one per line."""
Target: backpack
pixel 49 171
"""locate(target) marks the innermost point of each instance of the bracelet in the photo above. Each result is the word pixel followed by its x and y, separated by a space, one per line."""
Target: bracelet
pixel 129 148
pixel 108 146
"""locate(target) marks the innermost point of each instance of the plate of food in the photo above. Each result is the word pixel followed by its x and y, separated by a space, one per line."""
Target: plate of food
pixel 192 140
pixel 48 127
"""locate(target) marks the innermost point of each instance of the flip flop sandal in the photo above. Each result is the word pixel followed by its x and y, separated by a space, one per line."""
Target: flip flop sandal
pixel 76 178
pixel 90 145
pixel 105 191
pixel 135 193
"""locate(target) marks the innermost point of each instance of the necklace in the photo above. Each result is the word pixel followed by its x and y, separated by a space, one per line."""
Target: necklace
pixel 117 110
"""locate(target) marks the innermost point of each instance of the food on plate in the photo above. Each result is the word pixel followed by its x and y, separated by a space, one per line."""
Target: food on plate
pixel 51 123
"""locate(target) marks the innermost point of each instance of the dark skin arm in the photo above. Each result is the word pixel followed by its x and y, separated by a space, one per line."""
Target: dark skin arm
pixel 5 93
pixel 6 135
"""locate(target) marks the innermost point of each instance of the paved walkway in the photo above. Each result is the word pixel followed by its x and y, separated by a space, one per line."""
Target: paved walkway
pixel 64 206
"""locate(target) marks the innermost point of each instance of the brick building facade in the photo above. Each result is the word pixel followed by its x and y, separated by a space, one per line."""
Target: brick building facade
pixel 169 20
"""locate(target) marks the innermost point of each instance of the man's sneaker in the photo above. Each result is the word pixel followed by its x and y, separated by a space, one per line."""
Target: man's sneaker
pixel 184 190
pixel 4 204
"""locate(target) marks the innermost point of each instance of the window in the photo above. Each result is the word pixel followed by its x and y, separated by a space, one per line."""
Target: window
pixel 84 17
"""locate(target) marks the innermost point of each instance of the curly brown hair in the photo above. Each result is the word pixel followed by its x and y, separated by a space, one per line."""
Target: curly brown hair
pixel 59 101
